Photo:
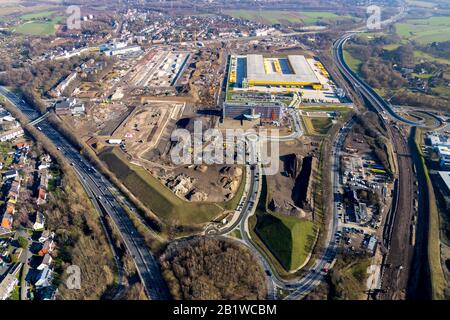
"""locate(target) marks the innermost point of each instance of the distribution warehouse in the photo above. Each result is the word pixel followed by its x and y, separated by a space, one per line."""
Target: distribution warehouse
pixel 291 72
pixel 258 86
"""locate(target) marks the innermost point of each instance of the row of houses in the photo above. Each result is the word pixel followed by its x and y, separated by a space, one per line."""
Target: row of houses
pixel 42 277
pixel 12 179
pixel 63 85
pixel 42 187
pixel 10 127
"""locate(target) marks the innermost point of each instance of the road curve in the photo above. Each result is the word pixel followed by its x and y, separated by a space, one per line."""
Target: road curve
pixel 360 85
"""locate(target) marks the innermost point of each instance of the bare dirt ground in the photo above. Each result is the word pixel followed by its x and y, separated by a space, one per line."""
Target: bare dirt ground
pixel 100 119
pixel 214 183
pixel 356 141
pixel 145 126
pixel 282 186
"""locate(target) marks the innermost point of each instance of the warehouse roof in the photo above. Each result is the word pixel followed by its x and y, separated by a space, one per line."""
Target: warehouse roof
pixel 443 150
pixel 445 175
pixel 302 71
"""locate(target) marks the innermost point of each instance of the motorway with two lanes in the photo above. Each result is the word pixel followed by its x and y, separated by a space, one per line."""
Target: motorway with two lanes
pixel 360 85
pixel 102 192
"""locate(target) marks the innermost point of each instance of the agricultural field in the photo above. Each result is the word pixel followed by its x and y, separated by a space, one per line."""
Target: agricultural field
pixel 434 29
pixel 159 199
pixel 423 56
pixel 285 17
pixel 421 4
pixel 9 8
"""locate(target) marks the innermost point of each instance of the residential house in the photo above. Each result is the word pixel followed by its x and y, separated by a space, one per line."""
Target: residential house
pixel 63 107
pixel 45 235
pixel 46 262
pixel 57 92
pixel 14 190
pixel 47 293
pixel 372 244
pixel 7 221
pixel 48 247
pixel 10 208
pixel 43 185
pixel 43 278
pixel 11 134
pixel 42 196
pixel 39 222
pixel 10 174
pixel 9 282
pixel 44 164
pixel 7 286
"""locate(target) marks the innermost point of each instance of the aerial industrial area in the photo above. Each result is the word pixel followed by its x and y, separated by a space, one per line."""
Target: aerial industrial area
pixel 205 150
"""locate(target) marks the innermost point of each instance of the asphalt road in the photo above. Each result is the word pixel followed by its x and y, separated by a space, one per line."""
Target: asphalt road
pixel 99 190
pixel 395 272
pixel 360 85
pixel 299 287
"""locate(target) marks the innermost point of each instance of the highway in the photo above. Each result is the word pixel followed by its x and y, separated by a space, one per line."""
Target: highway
pixel 360 85
pixel 301 287
pixel 397 263
pixel 101 193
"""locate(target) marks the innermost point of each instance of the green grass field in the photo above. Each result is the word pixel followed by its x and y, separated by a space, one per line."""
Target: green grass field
pixel 37 15
pixel 285 17
pixel 437 277
pixel 289 239
pixel 352 62
pixel 443 91
pixel 317 126
pixel 420 55
pixel 321 125
pixel 350 284
pixel 38 28
pixel 17 9
pixel 390 47
pixel 434 29
pixel 421 4
pixel 159 199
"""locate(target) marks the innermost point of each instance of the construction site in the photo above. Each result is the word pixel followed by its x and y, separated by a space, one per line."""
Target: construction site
pixel 158 68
